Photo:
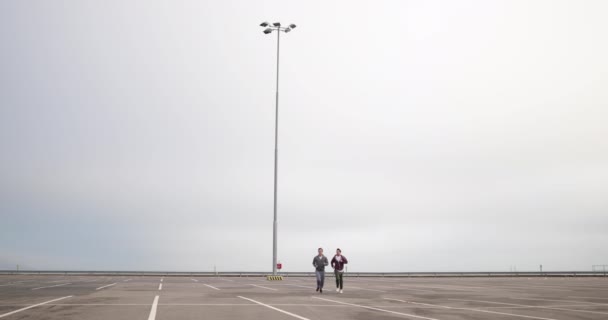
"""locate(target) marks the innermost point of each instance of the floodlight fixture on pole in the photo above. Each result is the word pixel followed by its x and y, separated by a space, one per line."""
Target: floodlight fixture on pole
pixel 269 29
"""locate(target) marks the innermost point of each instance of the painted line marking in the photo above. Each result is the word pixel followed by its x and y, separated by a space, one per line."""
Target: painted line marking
pixel 226 279
pixel 255 285
pixel 468 287
pixel 161 279
pixel 109 285
pixel 368 289
pixel 57 285
pixel 471 309
pixel 534 307
pixel 215 305
pixel 570 287
pixel 33 306
pixel 126 280
pixel 376 309
pixel 441 288
pixel 409 289
pixel 297 285
pixel 98 304
pixel 145 304
pixel 572 301
pixel 528 288
pixel 274 304
pixel 276 309
pixel 212 287
pixel 597 298
pixel 444 286
pixel 160 287
pixel 14 283
pixel 152 315
pixel 419 303
pixel 194 280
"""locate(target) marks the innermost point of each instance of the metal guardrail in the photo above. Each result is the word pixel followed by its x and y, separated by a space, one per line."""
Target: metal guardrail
pixel 309 274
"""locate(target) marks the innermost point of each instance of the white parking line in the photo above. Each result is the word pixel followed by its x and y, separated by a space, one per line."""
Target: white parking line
pixel 572 301
pixel 161 279
pixel 442 287
pixel 535 307
pixel 528 288
pixel 109 285
pixel 21 281
pixel 276 309
pixel 145 304
pixel 255 285
pixel 377 309
pixel 14 283
pixel 160 287
pixel 194 280
pixel 33 306
pixel 413 305
pixel 460 287
pixel 367 289
pixel 419 303
pixel 152 315
pixel 409 289
pixel 596 298
pixel 297 285
pixel 532 306
pixel 421 285
pixel 57 285
pixel 470 309
pixel 212 287
pixel 570 287
pixel 126 280
pixel 231 304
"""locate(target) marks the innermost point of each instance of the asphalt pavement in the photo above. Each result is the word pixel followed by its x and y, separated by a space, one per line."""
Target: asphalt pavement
pixel 119 297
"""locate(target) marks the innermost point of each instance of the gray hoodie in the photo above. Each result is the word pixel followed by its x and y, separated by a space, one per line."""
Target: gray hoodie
pixel 320 262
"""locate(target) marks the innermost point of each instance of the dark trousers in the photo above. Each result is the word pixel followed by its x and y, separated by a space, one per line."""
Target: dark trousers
pixel 339 279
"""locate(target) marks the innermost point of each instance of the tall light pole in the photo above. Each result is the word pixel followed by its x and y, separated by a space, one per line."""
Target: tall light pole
pixel 269 29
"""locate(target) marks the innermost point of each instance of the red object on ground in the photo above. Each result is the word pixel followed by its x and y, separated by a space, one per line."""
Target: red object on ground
pixel 279 266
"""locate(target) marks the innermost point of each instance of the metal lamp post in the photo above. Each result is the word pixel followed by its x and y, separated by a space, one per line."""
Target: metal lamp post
pixel 269 29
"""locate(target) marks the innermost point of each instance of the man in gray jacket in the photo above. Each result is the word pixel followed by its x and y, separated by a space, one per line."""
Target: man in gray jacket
pixel 319 262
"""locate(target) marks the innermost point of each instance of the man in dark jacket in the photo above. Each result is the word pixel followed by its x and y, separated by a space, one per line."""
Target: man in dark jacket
pixel 319 262
pixel 338 263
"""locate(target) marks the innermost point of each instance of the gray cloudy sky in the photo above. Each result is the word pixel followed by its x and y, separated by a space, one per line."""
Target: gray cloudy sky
pixel 415 135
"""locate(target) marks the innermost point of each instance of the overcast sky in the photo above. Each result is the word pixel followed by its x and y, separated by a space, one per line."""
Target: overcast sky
pixel 414 135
